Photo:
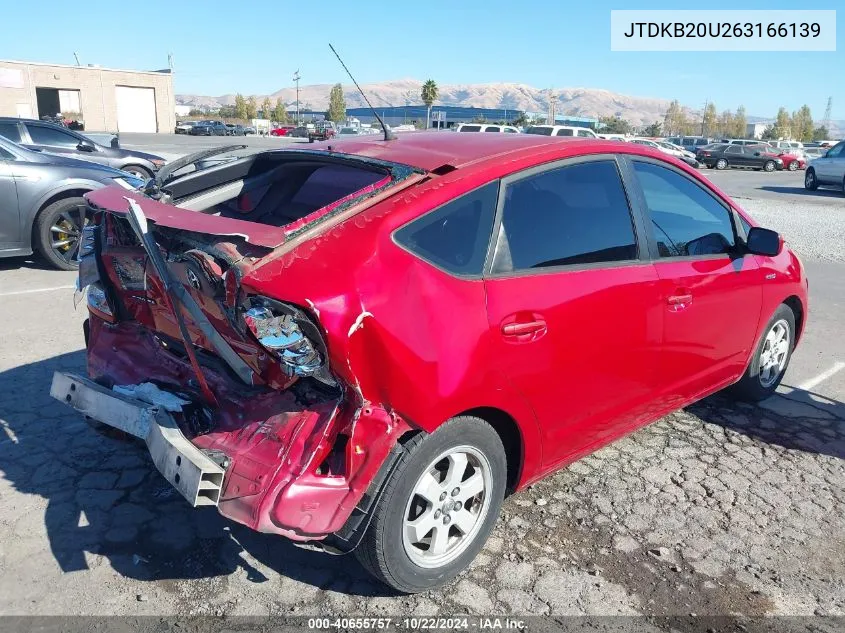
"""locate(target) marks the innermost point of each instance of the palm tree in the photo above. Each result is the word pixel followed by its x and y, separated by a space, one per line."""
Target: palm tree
pixel 429 96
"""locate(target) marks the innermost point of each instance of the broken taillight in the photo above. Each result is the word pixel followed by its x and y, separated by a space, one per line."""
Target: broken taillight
pixel 98 302
pixel 287 333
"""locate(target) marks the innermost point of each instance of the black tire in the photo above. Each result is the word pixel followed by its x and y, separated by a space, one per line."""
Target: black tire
pixel 69 213
pixel 721 164
pixel 769 165
pixel 140 172
pixel 750 387
pixel 382 552
pixel 811 183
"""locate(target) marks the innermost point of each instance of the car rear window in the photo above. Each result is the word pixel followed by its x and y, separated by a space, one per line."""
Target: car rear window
pixel 455 236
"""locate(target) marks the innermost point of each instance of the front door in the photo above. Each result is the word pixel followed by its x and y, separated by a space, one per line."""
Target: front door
pixel 10 219
pixel 573 304
pixel 711 294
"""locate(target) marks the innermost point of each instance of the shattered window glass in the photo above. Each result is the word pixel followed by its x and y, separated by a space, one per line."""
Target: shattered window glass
pixel 455 236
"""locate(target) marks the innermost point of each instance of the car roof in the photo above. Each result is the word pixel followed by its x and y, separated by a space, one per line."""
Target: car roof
pixel 431 150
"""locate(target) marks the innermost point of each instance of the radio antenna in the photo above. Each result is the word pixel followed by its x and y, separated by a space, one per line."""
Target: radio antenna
pixel 388 134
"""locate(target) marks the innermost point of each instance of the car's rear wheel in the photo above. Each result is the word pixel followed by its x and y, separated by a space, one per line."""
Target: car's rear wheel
pixel 58 230
pixel 793 165
pixel 770 360
pixel 769 165
pixel 141 172
pixel 721 164
pixel 810 182
pixel 438 508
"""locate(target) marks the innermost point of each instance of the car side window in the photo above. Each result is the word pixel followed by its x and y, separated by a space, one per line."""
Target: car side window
pixel 577 214
pixel 10 131
pixel 835 151
pixel 43 135
pixel 584 133
pixel 455 236
pixel 4 155
pixel 687 221
pixel 564 132
pixel 492 128
pixel 733 149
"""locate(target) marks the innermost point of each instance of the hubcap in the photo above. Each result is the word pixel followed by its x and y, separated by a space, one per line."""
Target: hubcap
pixel 808 179
pixel 774 353
pixel 447 507
pixel 66 232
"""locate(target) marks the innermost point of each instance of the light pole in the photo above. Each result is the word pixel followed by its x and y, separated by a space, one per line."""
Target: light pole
pixel 296 79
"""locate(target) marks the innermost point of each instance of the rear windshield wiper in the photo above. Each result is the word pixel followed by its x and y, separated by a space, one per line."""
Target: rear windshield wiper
pixel 165 174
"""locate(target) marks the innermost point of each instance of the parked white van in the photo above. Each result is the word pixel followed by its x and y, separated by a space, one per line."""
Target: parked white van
pixel 486 127
pixel 561 130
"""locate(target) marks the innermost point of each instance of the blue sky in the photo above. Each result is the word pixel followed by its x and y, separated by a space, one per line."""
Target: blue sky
pixel 218 48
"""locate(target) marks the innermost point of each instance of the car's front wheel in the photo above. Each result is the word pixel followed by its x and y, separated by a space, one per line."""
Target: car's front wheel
pixel 771 358
pixel 438 508
pixel 810 182
pixel 58 230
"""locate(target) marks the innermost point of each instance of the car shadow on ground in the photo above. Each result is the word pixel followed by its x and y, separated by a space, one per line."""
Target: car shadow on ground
pixel 797 419
pixel 104 496
pixel 823 193
pixel 31 262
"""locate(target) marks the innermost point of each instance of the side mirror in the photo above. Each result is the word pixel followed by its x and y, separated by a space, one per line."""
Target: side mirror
pixel 764 242
pixel 86 146
pixel 756 153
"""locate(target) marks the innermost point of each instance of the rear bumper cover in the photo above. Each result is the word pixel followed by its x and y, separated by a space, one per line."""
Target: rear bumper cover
pixel 269 447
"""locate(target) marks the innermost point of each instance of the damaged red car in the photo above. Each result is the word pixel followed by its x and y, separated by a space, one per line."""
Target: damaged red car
pixel 363 346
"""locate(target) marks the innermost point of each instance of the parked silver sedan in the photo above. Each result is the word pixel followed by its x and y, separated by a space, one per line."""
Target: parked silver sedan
pixel 41 204
pixel 827 170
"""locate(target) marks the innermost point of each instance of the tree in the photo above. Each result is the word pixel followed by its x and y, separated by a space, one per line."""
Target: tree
pixel 782 124
pixel 520 120
pixel 337 105
pixel 614 125
pixel 280 112
pixel 266 108
pixel 740 123
pixel 655 129
pixel 725 124
pixel 769 134
pixel 820 133
pixel 708 121
pixel 676 120
pixel 802 124
pixel 251 108
pixel 240 106
pixel 429 96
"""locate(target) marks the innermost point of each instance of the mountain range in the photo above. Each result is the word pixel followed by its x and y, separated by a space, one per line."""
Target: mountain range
pixel 588 102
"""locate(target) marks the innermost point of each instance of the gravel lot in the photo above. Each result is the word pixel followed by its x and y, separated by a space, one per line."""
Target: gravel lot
pixel 716 510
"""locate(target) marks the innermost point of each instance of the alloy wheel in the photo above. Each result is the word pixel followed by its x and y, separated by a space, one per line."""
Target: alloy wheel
pixel 447 507
pixel 66 232
pixel 774 354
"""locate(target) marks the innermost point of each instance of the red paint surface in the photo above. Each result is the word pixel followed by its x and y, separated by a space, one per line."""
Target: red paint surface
pixel 594 354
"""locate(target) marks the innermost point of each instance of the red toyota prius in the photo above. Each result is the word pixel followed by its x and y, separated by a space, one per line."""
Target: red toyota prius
pixel 362 346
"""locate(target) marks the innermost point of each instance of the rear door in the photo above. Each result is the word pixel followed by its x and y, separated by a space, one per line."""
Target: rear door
pixel 55 140
pixel 573 304
pixel 831 167
pixel 711 295
pixel 735 155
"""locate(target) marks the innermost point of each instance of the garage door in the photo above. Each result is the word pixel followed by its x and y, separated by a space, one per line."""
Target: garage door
pixel 136 109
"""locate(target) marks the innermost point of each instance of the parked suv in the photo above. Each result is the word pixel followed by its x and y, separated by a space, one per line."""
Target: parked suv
pixel 827 170
pixel 485 127
pixel 561 130
pixel 364 349
pixel 48 137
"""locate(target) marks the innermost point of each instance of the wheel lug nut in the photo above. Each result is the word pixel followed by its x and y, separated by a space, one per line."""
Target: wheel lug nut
pixel 443 496
pixel 446 519
pixel 455 492
pixel 437 514
pixel 457 505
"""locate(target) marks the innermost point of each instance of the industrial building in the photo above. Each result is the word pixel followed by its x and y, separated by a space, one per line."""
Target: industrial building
pixel 103 99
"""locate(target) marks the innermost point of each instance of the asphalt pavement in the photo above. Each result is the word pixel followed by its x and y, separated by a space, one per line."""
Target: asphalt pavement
pixel 720 508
